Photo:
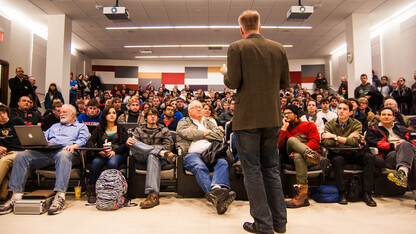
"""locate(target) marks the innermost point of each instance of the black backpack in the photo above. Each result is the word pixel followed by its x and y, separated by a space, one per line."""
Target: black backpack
pixel 354 189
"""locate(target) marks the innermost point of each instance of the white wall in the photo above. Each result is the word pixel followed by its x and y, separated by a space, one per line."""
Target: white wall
pixel 393 53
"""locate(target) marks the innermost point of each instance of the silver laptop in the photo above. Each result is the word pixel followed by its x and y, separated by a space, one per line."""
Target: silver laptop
pixel 31 137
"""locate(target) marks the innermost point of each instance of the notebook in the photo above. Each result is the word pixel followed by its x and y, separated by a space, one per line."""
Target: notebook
pixel 31 137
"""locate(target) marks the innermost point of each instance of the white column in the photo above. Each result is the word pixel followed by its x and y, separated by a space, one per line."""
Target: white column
pixel 58 59
pixel 357 30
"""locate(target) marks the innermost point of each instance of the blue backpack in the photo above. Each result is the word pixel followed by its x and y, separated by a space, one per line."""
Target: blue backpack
pixel 325 194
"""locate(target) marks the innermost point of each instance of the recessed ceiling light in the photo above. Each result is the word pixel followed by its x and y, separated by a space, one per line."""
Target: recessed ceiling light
pixel 204 27
pixel 193 56
pixel 180 46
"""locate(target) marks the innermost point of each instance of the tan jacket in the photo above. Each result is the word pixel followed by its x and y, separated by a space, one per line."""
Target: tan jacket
pixel 258 69
pixel 185 136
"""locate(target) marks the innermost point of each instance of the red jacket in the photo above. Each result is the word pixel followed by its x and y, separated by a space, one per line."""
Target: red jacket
pixel 301 127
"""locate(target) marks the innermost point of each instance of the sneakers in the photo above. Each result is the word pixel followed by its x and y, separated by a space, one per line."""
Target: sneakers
pixel 398 177
pixel 314 157
pixel 7 207
pixel 151 201
pixel 171 157
pixel 58 205
pixel 222 206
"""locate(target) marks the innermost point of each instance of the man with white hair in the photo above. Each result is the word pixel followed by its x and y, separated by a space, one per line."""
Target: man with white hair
pixel 398 117
pixel 70 134
pixel 194 136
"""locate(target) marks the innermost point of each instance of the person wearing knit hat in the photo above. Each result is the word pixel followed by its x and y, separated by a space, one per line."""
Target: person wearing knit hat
pixel 301 141
pixel 293 108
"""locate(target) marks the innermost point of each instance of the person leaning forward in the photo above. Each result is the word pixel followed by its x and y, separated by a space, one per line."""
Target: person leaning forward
pixel 258 68
pixel 346 131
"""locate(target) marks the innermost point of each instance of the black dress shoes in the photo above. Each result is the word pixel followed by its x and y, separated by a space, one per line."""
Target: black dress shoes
pixel 343 198
pixel 369 200
pixel 251 227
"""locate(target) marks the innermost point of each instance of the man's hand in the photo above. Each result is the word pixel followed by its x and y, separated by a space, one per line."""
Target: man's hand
pixel 110 154
pixel 223 69
pixel 131 141
pixel 398 143
pixel 70 148
pixel 327 135
pixel 206 132
pixel 3 150
pixel 354 135
pixel 285 124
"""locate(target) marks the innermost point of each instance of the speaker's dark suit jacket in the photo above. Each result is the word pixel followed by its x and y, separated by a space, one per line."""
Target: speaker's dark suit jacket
pixel 258 69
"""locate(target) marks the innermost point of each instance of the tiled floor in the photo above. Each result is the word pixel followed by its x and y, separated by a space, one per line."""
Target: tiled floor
pixel 182 215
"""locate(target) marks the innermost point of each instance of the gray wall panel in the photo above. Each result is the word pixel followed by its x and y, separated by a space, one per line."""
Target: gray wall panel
pixel 312 70
pixel 196 72
pixel 126 72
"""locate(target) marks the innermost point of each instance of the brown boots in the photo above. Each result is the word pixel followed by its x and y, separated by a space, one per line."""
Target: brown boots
pixel 151 201
pixel 301 197
pixel 92 197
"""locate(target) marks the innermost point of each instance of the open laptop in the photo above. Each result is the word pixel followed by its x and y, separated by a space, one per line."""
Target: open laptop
pixel 31 137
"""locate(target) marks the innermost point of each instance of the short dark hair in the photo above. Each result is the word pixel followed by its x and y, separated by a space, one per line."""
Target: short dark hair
pixel 348 103
pixel 153 110
pixel 92 102
pixel 333 97
pixel 364 75
pixel 353 100
pixel 57 104
pixel 166 107
pixel 324 99
pixel 4 108
pixel 382 109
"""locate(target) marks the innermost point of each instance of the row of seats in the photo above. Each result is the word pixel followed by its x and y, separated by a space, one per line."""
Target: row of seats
pixel 176 179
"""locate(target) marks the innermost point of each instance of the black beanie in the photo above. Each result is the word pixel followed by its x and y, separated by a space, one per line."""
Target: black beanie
pixel 293 108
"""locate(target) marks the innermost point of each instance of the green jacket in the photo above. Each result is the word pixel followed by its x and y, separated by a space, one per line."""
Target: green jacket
pixel 334 127
pixel 185 136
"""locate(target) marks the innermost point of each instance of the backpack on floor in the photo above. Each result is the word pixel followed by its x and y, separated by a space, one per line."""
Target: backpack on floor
pixel 354 189
pixel 111 190
pixel 325 194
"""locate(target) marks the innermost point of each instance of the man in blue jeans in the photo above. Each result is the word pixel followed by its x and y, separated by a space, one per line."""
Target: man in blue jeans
pixel 68 133
pixel 151 144
pixel 258 69
pixel 194 135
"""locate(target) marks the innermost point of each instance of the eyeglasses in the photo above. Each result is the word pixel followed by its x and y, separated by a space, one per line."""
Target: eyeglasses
pixel 287 113
pixel 197 108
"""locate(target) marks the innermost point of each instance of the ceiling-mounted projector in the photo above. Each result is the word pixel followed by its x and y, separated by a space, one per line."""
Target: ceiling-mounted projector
pixel 299 12
pixel 116 13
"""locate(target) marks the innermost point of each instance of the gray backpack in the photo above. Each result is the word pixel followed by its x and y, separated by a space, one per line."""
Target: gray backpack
pixel 111 190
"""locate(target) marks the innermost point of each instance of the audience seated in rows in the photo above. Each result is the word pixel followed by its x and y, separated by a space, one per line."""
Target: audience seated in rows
pixel 68 133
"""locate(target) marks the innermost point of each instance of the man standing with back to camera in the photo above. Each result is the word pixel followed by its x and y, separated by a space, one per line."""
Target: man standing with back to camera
pixel 258 69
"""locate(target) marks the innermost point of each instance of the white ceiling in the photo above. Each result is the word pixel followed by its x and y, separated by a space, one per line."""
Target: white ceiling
pixel 328 30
